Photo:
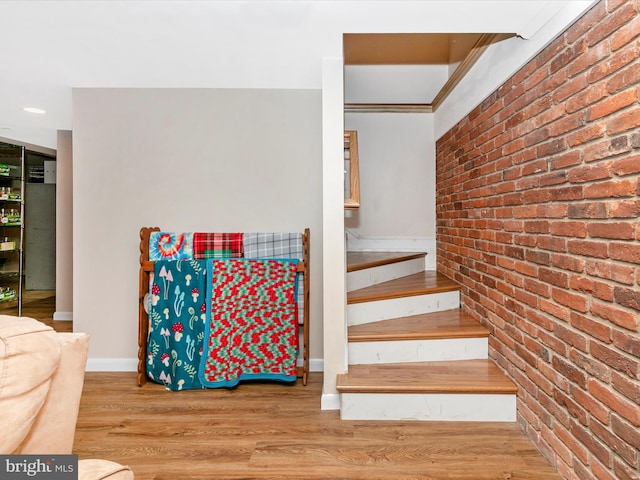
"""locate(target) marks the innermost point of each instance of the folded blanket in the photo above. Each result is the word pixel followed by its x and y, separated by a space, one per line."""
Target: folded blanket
pixel 176 323
pixel 277 245
pixel 170 246
pixel 251 323
pixel 217 245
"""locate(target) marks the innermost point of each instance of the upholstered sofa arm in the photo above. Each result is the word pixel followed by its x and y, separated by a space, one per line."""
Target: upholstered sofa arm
pixel 54 428
pixel 29 357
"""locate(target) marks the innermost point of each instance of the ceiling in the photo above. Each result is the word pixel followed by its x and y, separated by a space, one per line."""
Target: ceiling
pixel 51 47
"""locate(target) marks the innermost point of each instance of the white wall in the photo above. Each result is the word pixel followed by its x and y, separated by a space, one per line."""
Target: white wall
pixel 64 227
pixel 184 160
pixel 397 182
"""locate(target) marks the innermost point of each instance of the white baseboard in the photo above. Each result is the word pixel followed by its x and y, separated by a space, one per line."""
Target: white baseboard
pixel 62 316
pixel 330 401
pixel 363 243
pixel 131 364
pixel 112 365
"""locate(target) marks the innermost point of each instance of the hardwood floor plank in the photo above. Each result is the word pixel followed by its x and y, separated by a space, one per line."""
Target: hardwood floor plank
pixel 275 431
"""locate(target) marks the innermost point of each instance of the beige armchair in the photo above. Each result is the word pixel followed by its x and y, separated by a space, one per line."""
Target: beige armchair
pixel 41 378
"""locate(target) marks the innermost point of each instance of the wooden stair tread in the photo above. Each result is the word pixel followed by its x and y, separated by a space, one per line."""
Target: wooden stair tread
pixel 435 325
pixel 450 377
pixel 421 283
pixel 361 260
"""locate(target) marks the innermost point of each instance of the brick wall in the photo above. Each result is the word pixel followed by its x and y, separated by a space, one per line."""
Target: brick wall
pixel 537 206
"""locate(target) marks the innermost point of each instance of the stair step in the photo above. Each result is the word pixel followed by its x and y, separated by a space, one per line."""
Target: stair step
pixel 435 325
pixel 462 376
pixel 429 337
pixel 362 260
pixel 422 283
pixel 370 268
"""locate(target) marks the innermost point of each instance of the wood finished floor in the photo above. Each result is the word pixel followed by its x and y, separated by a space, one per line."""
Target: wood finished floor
pixel 276 431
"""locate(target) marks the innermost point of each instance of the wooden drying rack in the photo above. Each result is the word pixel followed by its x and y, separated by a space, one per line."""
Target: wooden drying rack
pixel 146 268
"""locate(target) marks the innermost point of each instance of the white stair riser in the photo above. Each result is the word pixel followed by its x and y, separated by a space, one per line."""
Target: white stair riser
pixel 371 276
pixel 403 351
pixel 428 407
pixel 367 312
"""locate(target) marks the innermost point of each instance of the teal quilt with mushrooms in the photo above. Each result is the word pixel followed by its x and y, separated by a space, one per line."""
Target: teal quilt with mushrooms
pixel 177 314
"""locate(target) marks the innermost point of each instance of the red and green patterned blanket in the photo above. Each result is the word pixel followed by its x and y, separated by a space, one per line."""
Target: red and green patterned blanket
pixel 251 330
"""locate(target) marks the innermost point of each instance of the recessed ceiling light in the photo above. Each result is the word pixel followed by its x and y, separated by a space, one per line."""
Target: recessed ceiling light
pixel 34 110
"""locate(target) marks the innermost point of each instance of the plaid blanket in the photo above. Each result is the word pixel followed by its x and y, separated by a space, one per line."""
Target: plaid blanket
pixel 217 245
pixel 277 245
pixel 251 326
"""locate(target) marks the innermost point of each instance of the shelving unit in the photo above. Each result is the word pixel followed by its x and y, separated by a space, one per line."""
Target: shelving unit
pixel 12 187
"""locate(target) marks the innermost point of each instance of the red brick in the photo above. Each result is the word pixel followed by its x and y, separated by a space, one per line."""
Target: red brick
pixel 613 230
pixel 589 58
pixel 566 262
pixel 613 63
pixel 613 358
pixel 610 189
pixel 593 328
pixel 615 314
pixel 570 441
pixel 569 88
pixel 574 301
pixel 611 23
pixel 625 251
pixel 558 447
pixel 591 286
pixel 626 431
pixel 590 19
pixel 581 473
pixel 625 34
pixel 561 313
pixel 613 400
pixel 593 445
pixel 588 210
pixel 628 342
pixel 569 54
pixel 585 97
pixel 594 407
pixel 626 78
pixel 588 248
pixel 624 209
pixel 566 159
pixel 592 366
pixel 627 297
pixel 586 134
pixel 623 471
pixel 571 337
pixel 589 173
pixel 627 165
pixel 626 386
pixel 617 445
pixel 606 148
pixel 611 104
pixel 600 471
pixel 567 193
pixel 569 371
pixel 627 120
pixel 569 229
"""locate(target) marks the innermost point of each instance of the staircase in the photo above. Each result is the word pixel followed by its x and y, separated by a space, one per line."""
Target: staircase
pixel 413 354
